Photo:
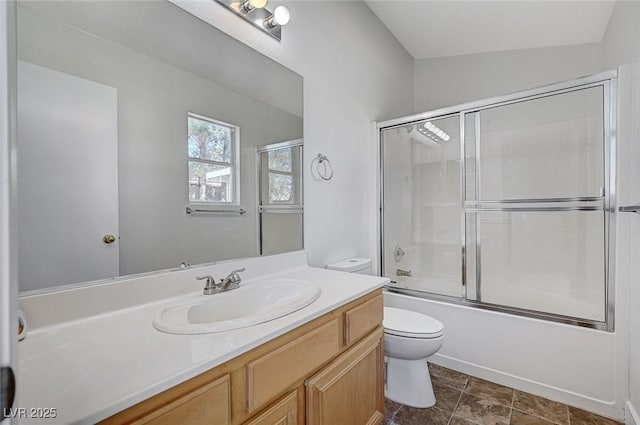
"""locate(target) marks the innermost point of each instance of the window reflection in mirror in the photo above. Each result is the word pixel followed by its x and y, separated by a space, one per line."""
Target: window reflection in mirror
pixel 213 167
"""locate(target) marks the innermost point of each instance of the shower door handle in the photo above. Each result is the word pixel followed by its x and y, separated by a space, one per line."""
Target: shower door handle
pixel 630 208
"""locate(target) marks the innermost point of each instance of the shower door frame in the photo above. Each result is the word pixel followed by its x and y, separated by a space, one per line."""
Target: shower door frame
pixel 262 209
pixel 608 81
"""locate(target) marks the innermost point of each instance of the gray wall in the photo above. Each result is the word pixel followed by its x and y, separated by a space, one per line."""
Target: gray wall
pixel 160 30
pixel 621 41
pixel 154 98
pixel 448 81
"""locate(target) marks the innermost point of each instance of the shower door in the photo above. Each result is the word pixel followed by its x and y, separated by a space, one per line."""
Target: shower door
pixel 422 206
pixel 280 208
pixel 506 204
pixel 535 204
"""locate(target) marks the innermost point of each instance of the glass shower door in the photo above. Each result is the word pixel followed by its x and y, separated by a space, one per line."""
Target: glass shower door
pixel 535 204
pixel 422 207
pixel 506 204
pixel 280 209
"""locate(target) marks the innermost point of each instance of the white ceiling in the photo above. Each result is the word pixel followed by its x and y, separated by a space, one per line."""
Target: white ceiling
pixel 429 29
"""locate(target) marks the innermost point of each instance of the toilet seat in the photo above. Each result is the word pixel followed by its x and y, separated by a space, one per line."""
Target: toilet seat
pixel 409 324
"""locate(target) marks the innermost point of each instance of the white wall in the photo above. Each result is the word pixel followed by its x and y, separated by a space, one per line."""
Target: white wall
pixel 354 72
pixel 448 81
pixel 621 41
pixel 621 44
pixel 634 250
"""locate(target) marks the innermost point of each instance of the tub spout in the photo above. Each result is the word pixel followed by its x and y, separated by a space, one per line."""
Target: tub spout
pixel 400 272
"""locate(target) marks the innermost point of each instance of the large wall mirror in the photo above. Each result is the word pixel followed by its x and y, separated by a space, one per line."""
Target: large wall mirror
pixel 132 114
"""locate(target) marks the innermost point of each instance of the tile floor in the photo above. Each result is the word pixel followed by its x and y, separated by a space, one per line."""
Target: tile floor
pixel 466 400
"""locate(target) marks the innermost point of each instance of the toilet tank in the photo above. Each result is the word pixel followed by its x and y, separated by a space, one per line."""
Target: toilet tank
pixel 352 265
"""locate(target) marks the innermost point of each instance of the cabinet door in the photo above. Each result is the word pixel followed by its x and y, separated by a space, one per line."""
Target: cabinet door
pixel 350 390
pixel 269 375
pixel 284 412
pixel 208 405
pixel 362 319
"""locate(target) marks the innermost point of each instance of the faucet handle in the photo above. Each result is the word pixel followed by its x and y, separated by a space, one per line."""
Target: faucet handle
pixel 233 277
pixel 210 279
pixel 210 286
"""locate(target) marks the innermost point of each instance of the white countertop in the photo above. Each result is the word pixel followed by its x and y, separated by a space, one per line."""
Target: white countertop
pixel 93 367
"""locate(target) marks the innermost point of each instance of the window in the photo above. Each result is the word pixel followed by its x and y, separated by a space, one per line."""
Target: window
pixel 213 148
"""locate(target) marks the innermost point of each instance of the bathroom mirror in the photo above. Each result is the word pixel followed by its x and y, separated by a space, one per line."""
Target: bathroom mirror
pixel 129 115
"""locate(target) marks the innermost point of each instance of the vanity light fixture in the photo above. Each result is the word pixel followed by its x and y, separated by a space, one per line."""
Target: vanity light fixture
pixel 248 5
pixel 254 11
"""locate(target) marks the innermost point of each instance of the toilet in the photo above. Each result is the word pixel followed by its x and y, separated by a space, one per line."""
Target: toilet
pixel 409 338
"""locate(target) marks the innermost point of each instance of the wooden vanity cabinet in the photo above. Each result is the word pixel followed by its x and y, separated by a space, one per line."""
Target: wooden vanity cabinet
pixel 326 372
pixel 347 390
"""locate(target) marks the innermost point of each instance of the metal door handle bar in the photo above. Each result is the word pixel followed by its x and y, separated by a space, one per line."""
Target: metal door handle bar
pixel 535 209
pixel 240 211
pixel 630 208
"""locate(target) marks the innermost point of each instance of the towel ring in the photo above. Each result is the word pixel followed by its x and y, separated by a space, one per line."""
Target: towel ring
pixel 324 173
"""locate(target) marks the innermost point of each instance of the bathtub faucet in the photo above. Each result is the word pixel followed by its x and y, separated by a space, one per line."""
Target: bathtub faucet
pixel 400 272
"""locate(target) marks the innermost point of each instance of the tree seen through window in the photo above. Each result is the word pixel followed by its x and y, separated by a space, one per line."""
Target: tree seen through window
pixel 212 170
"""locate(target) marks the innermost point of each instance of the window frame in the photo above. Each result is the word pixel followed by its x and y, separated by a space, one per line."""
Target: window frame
pixel 234 163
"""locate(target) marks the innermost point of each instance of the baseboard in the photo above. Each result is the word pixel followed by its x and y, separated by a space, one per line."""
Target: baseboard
pixel 631 416
pixel 600 407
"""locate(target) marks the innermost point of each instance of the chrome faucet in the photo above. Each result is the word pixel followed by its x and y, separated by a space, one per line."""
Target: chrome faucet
pixel 232 281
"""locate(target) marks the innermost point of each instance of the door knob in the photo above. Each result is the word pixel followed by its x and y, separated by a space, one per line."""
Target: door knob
pixel 109 238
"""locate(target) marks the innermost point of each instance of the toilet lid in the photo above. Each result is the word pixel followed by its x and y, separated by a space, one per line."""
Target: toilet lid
pixel 401 322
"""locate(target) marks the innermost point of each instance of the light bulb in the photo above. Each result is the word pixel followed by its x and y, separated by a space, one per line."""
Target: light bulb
pixel 249 5
pixel 281 16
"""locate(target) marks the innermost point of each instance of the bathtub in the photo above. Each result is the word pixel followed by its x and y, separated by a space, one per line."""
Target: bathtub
pixel 573 365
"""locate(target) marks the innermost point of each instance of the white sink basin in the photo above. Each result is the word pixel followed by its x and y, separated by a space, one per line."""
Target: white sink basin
pixel 248 305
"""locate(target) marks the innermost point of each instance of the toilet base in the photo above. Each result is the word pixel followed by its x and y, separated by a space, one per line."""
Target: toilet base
pixel 408 382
